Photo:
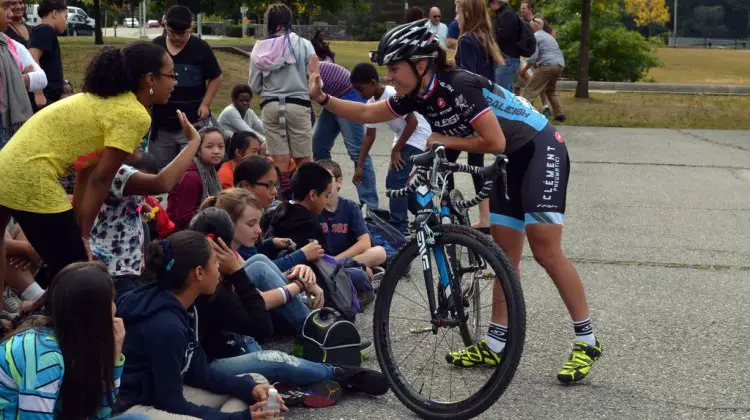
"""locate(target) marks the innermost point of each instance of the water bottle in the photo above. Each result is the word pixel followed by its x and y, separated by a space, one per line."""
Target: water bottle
pixel 273 400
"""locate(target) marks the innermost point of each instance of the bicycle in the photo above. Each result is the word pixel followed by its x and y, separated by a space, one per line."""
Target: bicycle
pixel 439 239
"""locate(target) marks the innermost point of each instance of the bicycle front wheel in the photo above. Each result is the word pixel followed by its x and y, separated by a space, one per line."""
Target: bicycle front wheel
pixel 411 344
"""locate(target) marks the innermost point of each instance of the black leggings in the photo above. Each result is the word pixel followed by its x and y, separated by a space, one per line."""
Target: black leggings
pixel 55 237
pixel 474 159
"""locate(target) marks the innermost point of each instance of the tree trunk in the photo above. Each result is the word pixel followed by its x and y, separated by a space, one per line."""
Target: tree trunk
pixel 98 38
pixel 582 88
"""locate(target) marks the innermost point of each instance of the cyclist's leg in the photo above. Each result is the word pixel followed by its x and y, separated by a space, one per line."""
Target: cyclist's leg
pixel 506 218
pixel 544 194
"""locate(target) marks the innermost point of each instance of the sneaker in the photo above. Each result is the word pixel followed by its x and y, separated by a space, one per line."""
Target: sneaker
pixel 581 359
pixel 377 276
pixel 11 302
pixel 560 118
pixel 318 395
pixel 365 348
pixel 546 111
pixel 357 379
pixel 365 299
pixel 475 354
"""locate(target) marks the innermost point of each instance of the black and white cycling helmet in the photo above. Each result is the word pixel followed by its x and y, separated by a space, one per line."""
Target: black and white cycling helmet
pixel 410 41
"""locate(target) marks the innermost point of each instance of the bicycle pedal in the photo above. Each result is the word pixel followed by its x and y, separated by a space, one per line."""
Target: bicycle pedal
pixel 420 330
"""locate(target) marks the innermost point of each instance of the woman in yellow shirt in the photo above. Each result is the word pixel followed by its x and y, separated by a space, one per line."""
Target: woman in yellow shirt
pixel 89 134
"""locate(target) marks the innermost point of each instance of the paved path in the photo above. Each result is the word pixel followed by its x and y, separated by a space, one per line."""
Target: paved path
pixel 658 224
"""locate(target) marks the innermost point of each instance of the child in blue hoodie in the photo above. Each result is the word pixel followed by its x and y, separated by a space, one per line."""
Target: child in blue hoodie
pixel 162 341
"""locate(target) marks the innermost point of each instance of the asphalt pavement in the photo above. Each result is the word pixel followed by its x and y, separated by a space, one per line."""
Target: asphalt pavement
pixel 657 223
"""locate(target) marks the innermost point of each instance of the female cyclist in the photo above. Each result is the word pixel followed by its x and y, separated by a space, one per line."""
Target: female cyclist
pixel 468 112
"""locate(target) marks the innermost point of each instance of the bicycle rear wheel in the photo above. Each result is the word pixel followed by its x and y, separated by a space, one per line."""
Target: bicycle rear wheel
pixel 403 315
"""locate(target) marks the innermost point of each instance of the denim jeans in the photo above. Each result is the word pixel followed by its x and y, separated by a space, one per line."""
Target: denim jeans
pixel 506 74
pixel 266 276
pixel 396 179
pixel 327 128
pixel 275 366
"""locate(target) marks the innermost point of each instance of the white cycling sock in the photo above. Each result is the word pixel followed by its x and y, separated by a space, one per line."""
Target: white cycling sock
pixel 496 337
pixel 585 331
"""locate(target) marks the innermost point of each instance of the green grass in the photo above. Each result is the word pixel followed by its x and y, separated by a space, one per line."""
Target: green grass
pixel 657 111
pixel 609 110
pixel 700 65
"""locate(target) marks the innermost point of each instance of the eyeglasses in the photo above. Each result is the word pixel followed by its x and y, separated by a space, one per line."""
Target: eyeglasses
pixel 177 34
pixel 269 185
pixel 171 76
pixel 436 17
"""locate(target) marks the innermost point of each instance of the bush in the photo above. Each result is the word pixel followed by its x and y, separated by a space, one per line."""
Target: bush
pixel 615 55
pixel 233 31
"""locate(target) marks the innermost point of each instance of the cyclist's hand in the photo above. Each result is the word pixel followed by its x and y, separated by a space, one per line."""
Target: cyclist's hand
pixel 396 162
pixel 190 132
pixel 357 178
pixel 315 83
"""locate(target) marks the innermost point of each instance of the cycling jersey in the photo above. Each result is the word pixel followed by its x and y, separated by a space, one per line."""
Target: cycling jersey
pixel 457 98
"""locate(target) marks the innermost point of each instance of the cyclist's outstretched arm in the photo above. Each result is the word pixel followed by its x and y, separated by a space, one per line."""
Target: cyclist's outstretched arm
pixel 490 138
pixel 372 113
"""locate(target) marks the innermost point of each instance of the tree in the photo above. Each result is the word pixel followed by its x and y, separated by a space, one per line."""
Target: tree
pixel 582 87
pixel 648 13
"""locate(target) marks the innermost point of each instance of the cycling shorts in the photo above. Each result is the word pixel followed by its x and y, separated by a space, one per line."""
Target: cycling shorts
pixel 537 183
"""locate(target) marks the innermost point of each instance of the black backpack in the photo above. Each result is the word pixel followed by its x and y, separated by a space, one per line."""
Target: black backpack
pixel 526 41
pixel 338 289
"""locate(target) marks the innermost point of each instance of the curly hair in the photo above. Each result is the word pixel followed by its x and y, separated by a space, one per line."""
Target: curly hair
pixel 118 70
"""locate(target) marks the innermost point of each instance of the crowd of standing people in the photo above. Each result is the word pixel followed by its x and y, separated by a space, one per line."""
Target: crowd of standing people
pixel 181 292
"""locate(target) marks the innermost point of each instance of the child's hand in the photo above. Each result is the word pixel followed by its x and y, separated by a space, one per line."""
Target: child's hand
pixel 187 128
pixel 304 273
pixel 313 251
pixel 283 243
pixel 228 262
pixel 396 162
pixel 357 178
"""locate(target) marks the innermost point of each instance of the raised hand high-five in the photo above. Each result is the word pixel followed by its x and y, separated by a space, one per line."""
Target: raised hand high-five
pixel 315 83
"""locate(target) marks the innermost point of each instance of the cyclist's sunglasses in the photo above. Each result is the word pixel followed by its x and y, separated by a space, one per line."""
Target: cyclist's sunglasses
pixel 373 56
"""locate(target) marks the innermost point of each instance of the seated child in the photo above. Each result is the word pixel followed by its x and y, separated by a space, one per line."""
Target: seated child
pixel 411 134
pixel 162 345
pixel 234 316
pixel 200 180
pixel 242 144
pixel 311 187
pixel 280 291
pixel 343 226
pixel 238 116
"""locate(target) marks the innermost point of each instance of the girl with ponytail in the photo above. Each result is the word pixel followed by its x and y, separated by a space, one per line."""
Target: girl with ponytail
pixel 162 342
pixel 89 134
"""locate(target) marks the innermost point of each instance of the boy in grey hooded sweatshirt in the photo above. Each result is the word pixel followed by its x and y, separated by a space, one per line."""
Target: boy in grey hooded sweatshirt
pixel 278 73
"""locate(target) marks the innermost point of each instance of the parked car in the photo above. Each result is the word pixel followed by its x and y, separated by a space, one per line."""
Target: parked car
pixel 131 23
pixel 78 26
pixel 80 12
pixel 153 23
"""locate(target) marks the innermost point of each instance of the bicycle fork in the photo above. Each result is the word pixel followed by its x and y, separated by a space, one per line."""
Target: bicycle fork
pixel 447 301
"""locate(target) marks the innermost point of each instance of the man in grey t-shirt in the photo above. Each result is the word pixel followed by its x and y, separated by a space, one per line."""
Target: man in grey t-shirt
pixel 548 64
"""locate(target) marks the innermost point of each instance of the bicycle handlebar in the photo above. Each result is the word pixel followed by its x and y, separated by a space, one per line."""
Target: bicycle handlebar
pixel 435 159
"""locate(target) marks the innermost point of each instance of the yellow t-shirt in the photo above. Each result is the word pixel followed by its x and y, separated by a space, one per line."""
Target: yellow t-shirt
pixel 67 136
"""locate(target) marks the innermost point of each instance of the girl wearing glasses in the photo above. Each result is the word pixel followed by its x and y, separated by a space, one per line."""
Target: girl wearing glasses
pixel 89 134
